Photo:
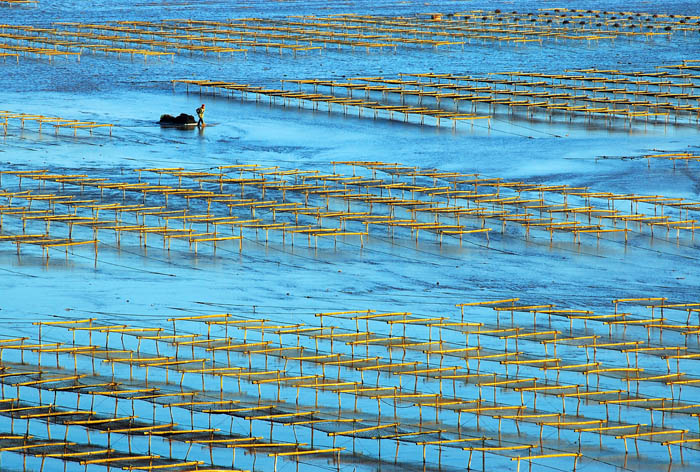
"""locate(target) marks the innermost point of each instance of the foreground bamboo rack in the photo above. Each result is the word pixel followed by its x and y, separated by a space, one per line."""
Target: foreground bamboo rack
pixel 483 381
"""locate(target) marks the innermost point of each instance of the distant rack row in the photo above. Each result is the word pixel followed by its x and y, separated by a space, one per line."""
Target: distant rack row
pixel 341 32
pixel 609 94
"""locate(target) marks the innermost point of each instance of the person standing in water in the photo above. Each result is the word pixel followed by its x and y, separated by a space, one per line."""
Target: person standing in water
pixel 200 114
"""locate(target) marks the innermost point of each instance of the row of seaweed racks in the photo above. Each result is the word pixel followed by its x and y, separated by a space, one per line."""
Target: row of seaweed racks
pixel 56 122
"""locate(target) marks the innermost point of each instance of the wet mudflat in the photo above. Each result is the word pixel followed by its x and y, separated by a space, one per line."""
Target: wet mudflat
pixel 305 285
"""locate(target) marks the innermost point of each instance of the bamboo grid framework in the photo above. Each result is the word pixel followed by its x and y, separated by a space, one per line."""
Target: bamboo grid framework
pixel 309 34
pixel 18 2
pixel 486 380
pixel 668 95
pixel 59 211
pixel 8 119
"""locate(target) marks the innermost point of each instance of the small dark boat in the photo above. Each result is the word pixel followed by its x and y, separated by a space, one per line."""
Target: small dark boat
pixel 183 120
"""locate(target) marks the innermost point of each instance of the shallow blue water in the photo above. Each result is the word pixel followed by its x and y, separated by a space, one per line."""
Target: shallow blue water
pixel 285 283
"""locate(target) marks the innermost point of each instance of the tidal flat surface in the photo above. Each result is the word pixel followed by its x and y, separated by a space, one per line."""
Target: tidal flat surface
pixel 124 280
